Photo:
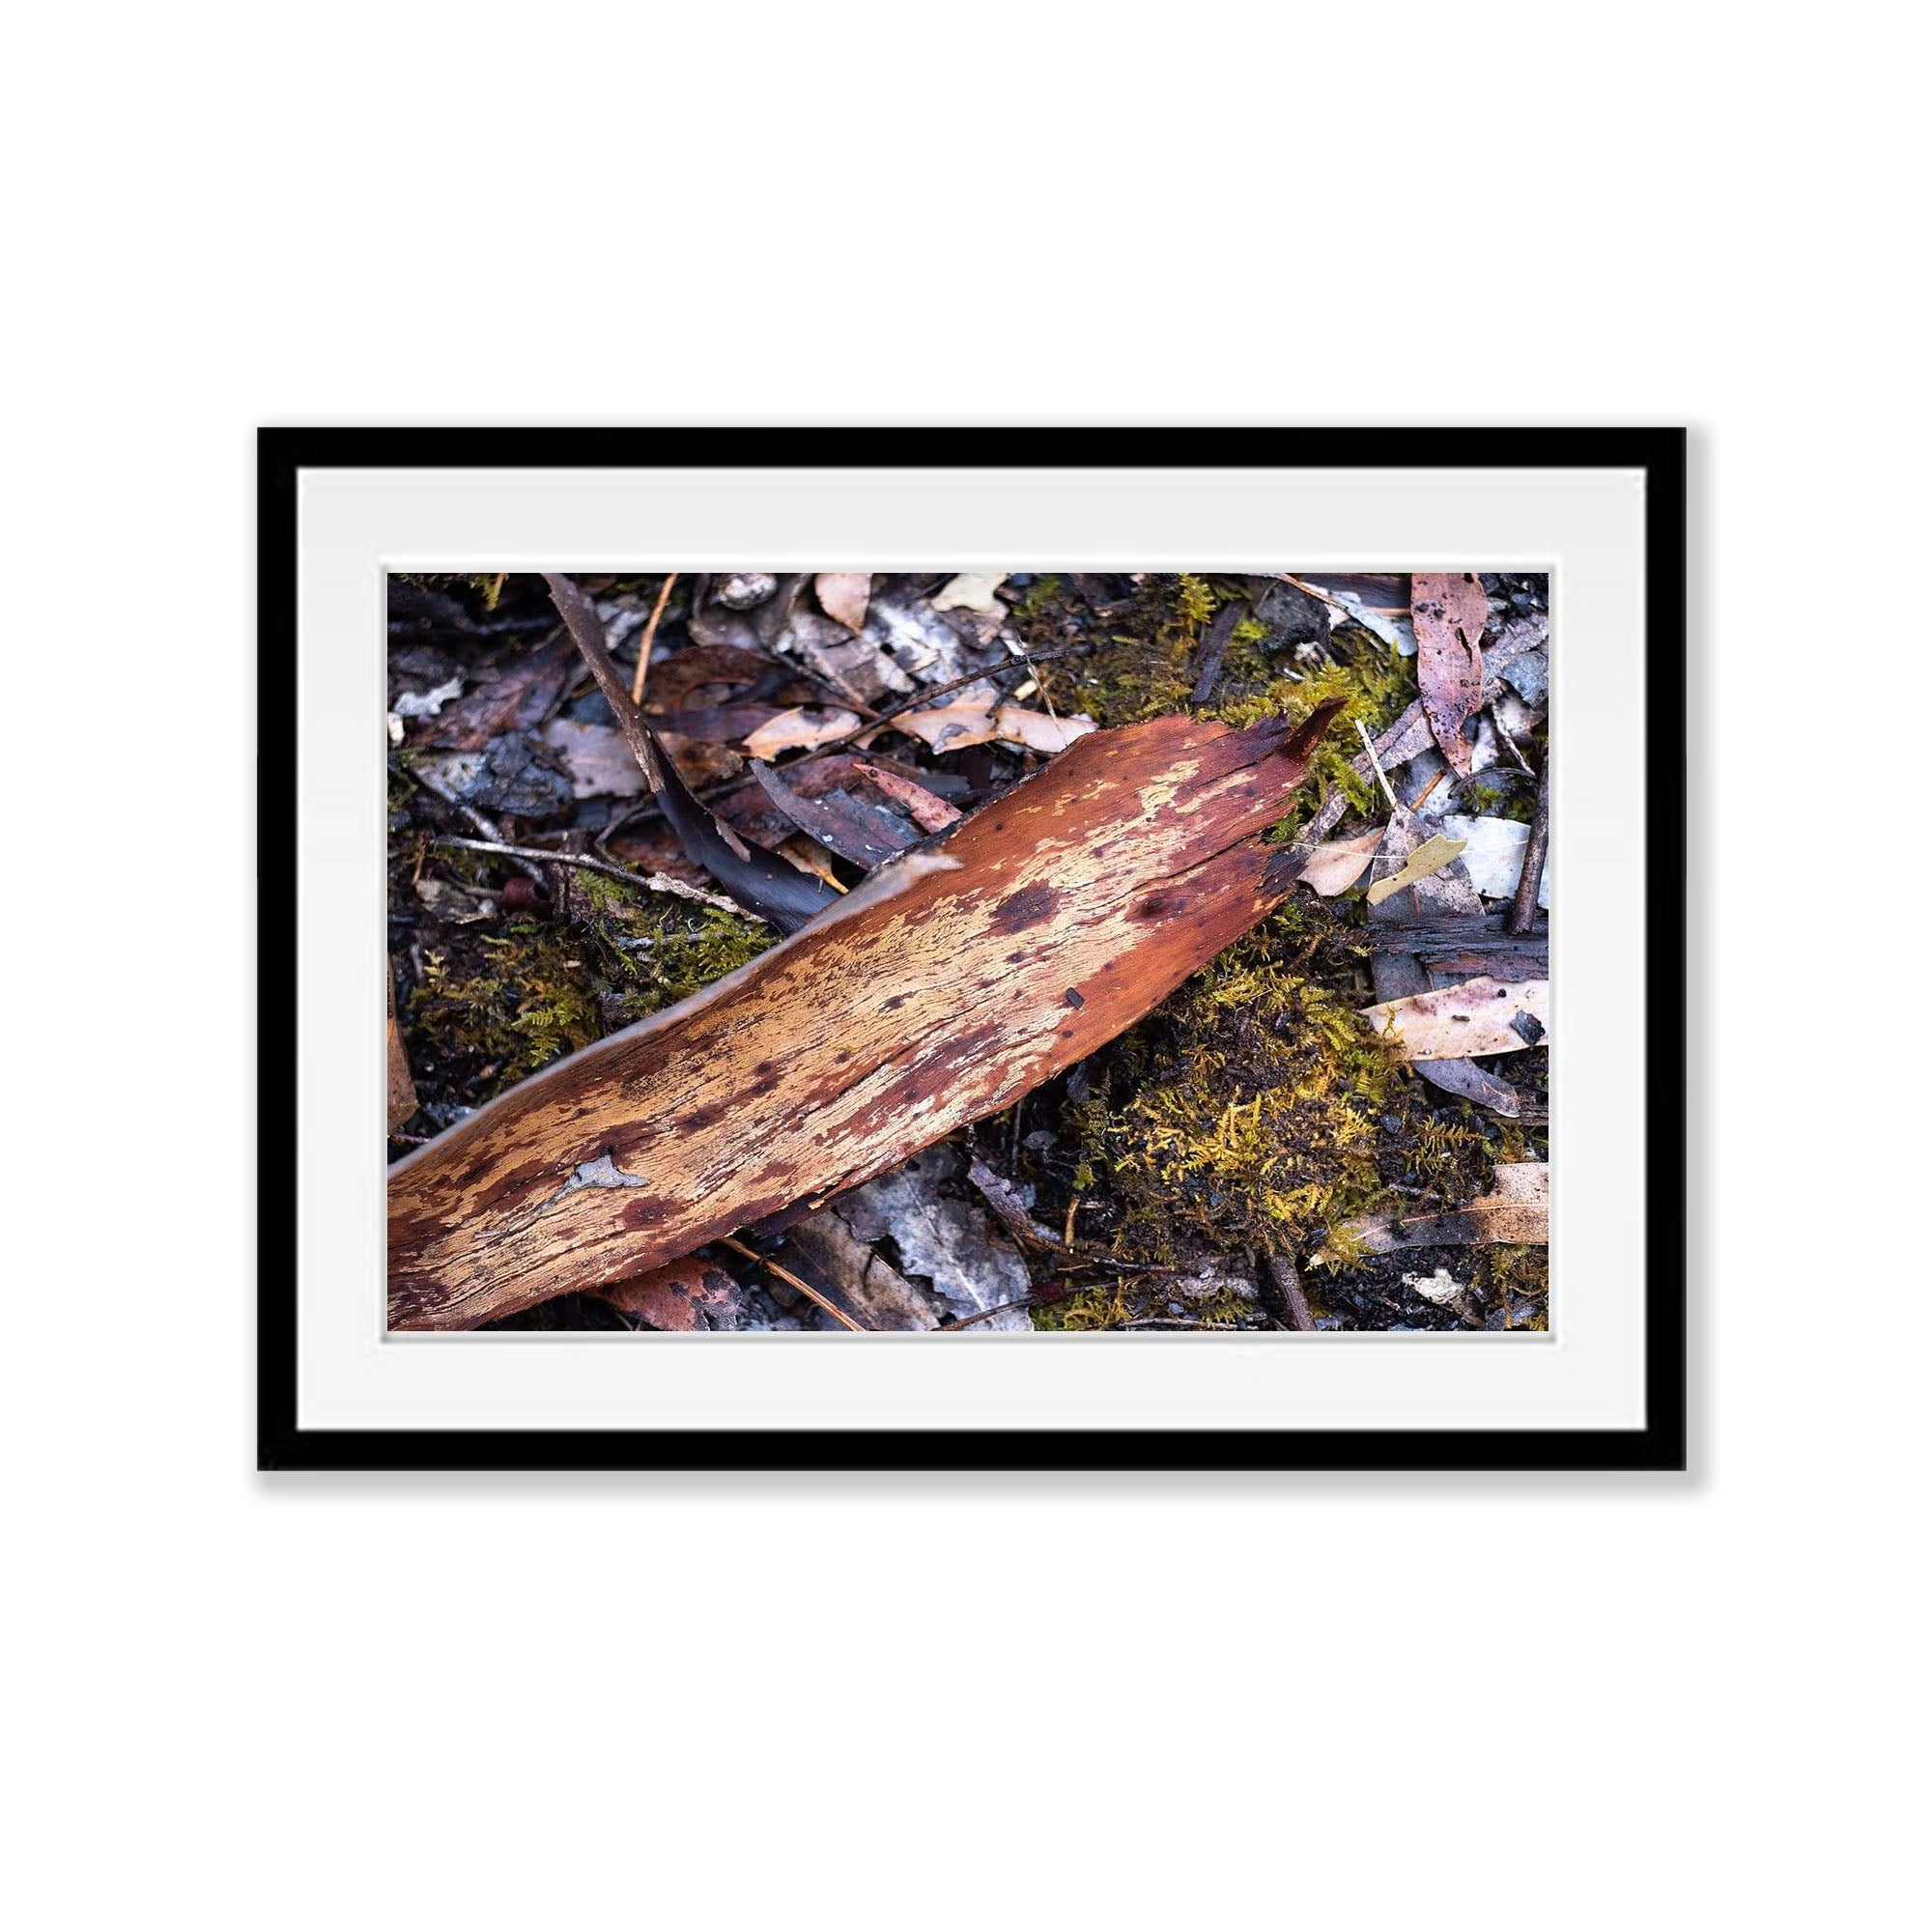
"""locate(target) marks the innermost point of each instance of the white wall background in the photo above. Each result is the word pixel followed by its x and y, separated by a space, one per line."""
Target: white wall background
pixel 1455 1702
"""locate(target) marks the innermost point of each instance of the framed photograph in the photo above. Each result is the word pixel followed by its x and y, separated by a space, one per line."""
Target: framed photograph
pixel 958 949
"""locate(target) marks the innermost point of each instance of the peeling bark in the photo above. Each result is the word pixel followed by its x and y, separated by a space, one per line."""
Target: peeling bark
pixel 957 977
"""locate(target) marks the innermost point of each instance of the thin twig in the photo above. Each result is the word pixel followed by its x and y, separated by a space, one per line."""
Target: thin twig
pixel 657 882
pixel 1369 745
pixel 651 631
pixel 1522 908
pixel 784 1274
pixel 486 826
pixel 988 1314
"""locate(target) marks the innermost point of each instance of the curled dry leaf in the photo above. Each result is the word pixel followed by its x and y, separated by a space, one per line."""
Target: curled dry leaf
pixel 1450 609
pixel 800 729
pixel 951 728
pixel 1424 863
pixel 928 813
pixel 844 595
pixel 1479 1017
pixel 1015 725
pixel 805 852
pixel 972 590
pixel 1335 866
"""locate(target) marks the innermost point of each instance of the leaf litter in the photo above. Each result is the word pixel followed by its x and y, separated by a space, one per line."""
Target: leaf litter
pixel 789 671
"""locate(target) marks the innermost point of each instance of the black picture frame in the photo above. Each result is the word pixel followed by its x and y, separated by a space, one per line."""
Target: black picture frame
pixel 1660 1444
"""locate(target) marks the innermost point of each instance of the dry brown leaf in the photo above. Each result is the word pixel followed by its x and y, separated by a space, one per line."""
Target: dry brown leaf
pixel 1036 731
pixel 1450 609
pixel 1424 863
pixel 682 1297
pixel 1516 1209
pixel 1335 866
pixel 800 729
pixel 844 595
pixel 928 813
pixel 1459 1022
pixel 602 765
pixel 805 852
pixel 951 728
pixel 972 590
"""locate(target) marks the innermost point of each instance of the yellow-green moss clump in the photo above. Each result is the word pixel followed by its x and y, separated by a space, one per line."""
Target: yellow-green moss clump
pixel 1251 1110
pixel 1147 667
pixel 529 1002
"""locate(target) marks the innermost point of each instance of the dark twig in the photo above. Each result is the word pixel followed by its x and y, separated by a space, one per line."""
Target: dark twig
pixel 1522 909
pixel 657 882
pixel 1215 648
pixel 579 615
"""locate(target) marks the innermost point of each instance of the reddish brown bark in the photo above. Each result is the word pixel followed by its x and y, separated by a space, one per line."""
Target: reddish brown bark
pixel 954 980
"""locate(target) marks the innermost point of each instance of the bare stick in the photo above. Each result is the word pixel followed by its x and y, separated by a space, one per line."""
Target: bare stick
pixel 650 633
pixel 486 826
pixel 1369 745
pixel 657 882
pixel 1286 1280
pixel 1522 908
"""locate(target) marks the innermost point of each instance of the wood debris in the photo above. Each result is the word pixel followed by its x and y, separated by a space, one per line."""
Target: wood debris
pixel 935 994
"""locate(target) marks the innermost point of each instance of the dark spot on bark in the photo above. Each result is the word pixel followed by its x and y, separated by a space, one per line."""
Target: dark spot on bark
pixel 763 1067
pixel 643 1214
pixel 1152 906
pixel 1031 905
pixel 892 1004
pixel 1073 998
pixel 699 1117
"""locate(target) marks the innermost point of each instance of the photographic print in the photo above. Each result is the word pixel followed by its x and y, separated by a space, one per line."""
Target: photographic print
pixel 1049 954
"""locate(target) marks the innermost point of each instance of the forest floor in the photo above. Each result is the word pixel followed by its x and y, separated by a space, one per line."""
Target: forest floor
pixel 1253 1154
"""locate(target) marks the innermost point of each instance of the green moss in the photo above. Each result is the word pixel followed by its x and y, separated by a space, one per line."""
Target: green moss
pixel 540 989
pixel 1147 667
pixel 1508 1276
pixel 530 1003
pixel 1250 1113
pixel 1372 685
pixel 648 950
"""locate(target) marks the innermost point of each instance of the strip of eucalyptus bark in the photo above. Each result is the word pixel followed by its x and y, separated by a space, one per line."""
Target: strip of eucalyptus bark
pixel 957 977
